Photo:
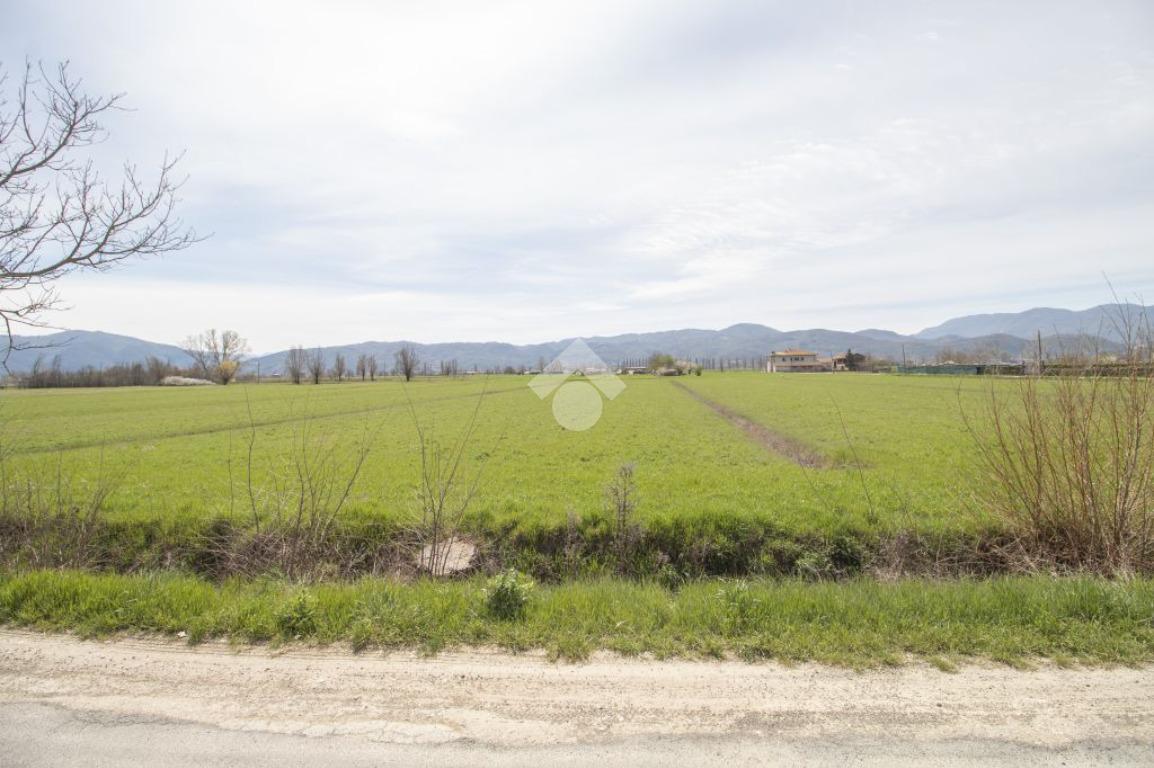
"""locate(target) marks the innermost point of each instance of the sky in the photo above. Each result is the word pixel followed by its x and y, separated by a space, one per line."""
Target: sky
pixel 532 171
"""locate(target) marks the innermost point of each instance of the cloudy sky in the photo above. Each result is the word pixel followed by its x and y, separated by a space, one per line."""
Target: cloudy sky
pixel 530 171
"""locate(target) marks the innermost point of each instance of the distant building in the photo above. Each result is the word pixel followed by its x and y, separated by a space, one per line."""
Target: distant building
pixel 795 361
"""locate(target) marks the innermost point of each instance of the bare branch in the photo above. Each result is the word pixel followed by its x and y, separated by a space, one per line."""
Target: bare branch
pixel 57 214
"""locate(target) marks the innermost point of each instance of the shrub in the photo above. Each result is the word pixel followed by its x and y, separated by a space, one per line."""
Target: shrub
pixel 1070 461
pixel 508 594
pixel 298 616
pixel 621 494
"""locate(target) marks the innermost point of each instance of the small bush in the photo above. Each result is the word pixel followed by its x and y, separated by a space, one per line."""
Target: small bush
pixel 621 494
pixel 298 617
pixel 508 594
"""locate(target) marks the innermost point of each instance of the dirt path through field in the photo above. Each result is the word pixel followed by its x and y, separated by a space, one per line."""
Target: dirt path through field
pixel 57 690
pixel 772 441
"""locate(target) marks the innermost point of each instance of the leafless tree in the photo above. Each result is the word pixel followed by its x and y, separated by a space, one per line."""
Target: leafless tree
pixel 372 366
pixel 217 355
pixel 316 366
pixel 158 369
pixel 362 366
pixel 407 361
pixel 448 485
pixel 295 363
pixel 58 215
pixel 340 367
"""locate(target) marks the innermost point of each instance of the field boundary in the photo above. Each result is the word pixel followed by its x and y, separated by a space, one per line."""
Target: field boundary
pixel 774 442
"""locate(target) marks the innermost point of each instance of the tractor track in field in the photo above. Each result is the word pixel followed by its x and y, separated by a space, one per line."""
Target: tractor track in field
pixel 774 442
pixel 246 425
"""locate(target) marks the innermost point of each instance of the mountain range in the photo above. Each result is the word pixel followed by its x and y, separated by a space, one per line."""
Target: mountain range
pixel 1108 321
pixel 1002 336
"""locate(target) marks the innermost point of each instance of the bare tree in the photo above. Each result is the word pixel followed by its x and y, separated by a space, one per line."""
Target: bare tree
pixel 295 363
pixel 158 369
pixel 58 215
pixel 217 355
pixel 316 366
pixel 362 366
pixel 340 367
pixel 372 366
pixel 447 487
pixel 407 361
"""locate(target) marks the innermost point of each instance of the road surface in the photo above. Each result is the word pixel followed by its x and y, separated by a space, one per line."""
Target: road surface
pixel 67 702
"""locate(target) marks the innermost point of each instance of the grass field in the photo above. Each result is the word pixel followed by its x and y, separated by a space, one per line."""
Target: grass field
pixel 898 452
pixel 720 488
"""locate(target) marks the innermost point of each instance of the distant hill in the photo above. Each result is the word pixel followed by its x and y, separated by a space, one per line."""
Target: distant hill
pixel 82 349
pixel 1103 320
pixel 999 336
pixel 745 341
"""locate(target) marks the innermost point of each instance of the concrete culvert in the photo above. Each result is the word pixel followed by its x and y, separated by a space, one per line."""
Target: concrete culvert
pixel 448 557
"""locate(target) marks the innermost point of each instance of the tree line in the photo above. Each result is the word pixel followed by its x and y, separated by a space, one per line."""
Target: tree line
pixel 220 357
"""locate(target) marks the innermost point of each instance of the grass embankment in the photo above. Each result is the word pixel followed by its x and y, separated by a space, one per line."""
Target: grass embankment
pixel 858 623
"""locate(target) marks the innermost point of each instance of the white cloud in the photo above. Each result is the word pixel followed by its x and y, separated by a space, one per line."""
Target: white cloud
pixel 524 171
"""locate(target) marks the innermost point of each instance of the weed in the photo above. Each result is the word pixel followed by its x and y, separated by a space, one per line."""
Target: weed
pixel 507 595
pixel 297 617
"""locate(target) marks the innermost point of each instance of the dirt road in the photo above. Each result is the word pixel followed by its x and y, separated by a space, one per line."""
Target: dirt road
pixel 133 702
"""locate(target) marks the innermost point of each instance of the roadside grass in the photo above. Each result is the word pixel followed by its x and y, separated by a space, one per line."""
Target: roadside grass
pixel 859 623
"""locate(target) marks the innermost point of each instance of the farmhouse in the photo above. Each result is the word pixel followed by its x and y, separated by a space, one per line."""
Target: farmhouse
pixel 795 361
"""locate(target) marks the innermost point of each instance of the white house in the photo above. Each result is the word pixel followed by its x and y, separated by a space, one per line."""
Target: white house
pixel 795 361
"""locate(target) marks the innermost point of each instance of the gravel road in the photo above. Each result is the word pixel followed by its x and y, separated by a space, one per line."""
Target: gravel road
pixel 67 702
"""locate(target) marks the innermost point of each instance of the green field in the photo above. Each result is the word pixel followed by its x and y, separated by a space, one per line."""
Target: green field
pixel 899 456
pixel 720 490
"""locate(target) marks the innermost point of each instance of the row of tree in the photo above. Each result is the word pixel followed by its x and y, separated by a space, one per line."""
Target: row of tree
pixel 50 374
pixel 301 365
pixel 219 357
